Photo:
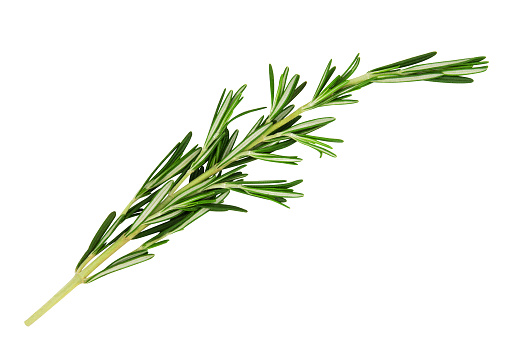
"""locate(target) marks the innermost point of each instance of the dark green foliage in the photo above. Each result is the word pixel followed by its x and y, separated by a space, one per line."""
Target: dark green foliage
pixel 406 62
pixel 97 238
pixel 163 207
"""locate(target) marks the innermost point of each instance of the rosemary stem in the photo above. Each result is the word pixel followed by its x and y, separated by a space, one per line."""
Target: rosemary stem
pixel 74 282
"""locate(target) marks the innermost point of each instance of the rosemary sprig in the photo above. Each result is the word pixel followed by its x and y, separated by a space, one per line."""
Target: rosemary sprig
pixel 165 204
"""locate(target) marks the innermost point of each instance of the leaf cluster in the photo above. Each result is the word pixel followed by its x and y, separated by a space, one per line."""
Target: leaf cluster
pixel 162 207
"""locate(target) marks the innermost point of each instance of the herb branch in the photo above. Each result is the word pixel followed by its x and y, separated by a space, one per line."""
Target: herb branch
pixel 192 181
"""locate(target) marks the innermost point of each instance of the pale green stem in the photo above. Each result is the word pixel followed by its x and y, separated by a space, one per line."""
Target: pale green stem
pixel 74 282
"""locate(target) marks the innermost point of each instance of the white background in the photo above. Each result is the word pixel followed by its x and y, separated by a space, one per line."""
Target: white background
pixel 405 234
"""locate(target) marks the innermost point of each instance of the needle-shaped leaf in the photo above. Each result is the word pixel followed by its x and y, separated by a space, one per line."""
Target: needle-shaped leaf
pixel 298 90
pixel 324 80
pixel 282 85
pixel 350 70
pixel 406 62
pixel 321 122
pixel 443 64
pixel 230 144
pixel 452 79
pixel 273 192
pixel 275 158
pixel 272 84
pixel 339 102
pixel 285 98
pixel 468 71
pixel 398 79
pixel 151 206
pixel 120 266
pixel 222 207
pixel 220 101
pixel 97 237
pixel 173 222
pixel 158 244
pixel 312 143
pixel 285 112
pixel 177 168
pixel 245 113
pixel 248 140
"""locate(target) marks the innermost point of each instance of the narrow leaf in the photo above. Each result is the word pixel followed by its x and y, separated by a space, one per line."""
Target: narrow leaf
pixel 408 78
pixel 272 84
pixel 406 62
pixel 121 266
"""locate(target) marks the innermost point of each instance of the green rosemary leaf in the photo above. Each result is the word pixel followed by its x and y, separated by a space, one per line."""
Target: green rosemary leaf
pixel 398 79
pixel 173 222
pixel 324 80
pixel 163 217
pixel 193 206
pixel 102 229
pixel 278 200
pixel 350 70
pixel 284 99
pixel 176 152
pixel 220 102
pixel 222 207
pixel 178 167
pixel 160 164
pixel 97 237
pixel 406 62
pixel 234 103
pixel 314 144
pixel 263 182
pixel 281 185
pixel 282 84
pixel 181 148
pixel 320 122
pixel 326 139
pixel 468 71
pixel 244 143
pixel 218 118
pixel 439 65
pixel 244 113
pixel 127 257
pixel 202 158
pixel 298 90
pixel 284 113
pixel 275 147
pixel 273 192
pixel 120 266
pixel 137 207
pixel 151 206
pixel 196 197
pixel 255 127
pixel 230 144
pixel 452 79
pixel 339 102
pixel 275 158
pixel 157 244
pixel 272 84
